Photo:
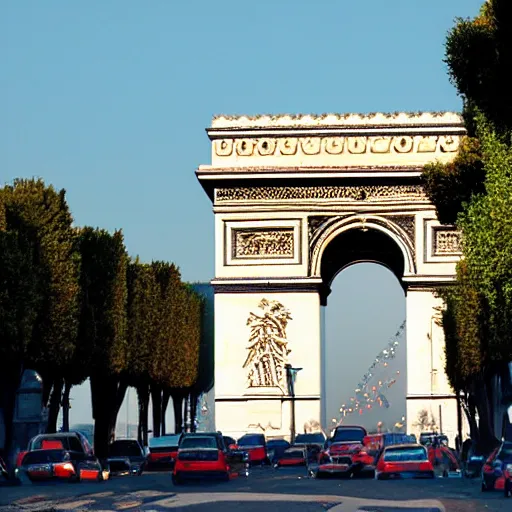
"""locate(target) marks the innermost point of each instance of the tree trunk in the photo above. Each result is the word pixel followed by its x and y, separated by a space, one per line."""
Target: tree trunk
pixel 487 441
pixel 105 396
pixel 66 406
pixel 178 394
pixel 121 387
pixel 459 421
pixel 54 406
pixel 165 402
pixel 156 401
pixel 193 411
pixel 10 379
pixel 143 401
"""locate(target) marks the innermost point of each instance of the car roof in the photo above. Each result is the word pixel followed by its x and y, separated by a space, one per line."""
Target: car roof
pixel 407 445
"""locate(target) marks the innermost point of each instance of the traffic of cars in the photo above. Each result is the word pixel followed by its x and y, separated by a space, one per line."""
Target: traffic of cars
pixel 349 452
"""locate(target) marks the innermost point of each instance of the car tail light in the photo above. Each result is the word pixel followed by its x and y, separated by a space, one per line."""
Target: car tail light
pixel 19 459
pixel 426 466
pixel 63 469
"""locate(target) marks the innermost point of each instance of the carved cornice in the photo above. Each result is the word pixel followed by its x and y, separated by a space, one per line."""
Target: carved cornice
pixel 350 119
pixel 336 146
pixel 348 193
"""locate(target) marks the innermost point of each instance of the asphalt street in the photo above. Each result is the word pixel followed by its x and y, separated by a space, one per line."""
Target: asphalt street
pixel 265 489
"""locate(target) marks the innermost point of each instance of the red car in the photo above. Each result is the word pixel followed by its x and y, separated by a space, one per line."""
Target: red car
pixel 493 471
pixel 404 461
pixel 508 480
pixel 256 446
pixel 204 455
pixel 338 459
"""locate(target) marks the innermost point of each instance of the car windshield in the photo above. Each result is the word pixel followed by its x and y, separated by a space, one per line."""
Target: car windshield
pixel 198 442
pixel 310 438
pixel 349 434
pixel 252 440
pixel 405 454
pixel 164 441
pixel 125 449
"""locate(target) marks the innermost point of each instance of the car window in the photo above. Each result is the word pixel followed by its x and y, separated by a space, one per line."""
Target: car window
pixel 277 442
pixel 124 449
pixel 75 445
pixel 310 438
pixel 198 442
pixel 349 434
pixel 252 440
pixel 50 443
pixel 164 441
pixel 405 454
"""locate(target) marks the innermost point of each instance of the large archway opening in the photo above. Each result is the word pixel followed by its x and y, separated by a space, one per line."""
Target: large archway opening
pixel 364 352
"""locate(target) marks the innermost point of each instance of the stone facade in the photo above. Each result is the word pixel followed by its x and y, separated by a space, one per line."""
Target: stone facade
pixel 284 189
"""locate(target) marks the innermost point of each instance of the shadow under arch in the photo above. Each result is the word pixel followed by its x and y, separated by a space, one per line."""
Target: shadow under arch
pixel 356 240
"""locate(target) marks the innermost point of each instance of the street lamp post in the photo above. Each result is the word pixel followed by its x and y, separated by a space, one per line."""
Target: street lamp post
pixel 291 375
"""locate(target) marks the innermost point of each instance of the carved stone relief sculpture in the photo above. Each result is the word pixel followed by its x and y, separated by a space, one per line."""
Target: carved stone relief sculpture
pixel 268 346
pixel 447 242
pixel 263 243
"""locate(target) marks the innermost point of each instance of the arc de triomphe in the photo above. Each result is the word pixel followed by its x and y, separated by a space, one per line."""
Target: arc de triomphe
pixel 296 199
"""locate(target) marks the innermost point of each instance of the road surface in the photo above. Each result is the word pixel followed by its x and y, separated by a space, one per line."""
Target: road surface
pixel 266 489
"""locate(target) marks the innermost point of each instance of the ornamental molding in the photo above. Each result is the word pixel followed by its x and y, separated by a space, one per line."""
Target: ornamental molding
pixel 333 119
pixel 347 193
pixel 336 145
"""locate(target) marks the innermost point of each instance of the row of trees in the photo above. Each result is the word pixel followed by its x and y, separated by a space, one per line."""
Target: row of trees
pixel 474 192
pixel 74 306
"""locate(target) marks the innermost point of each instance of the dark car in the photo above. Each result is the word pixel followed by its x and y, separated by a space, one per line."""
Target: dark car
pixel 493 476
pixel 126 456
pixel 163 451
pixel 66 456
pixel 230 442
pixel 276 449
pixel 204 455
pixel 256 446
pixel 312 443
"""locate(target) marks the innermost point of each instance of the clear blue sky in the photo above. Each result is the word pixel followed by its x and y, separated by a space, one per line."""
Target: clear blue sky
pixel 109 100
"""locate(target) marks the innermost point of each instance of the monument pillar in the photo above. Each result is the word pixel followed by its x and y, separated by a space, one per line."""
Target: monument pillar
pixel 256 334
pixel 428 388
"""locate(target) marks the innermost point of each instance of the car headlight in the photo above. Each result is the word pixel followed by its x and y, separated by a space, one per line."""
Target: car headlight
pixel 135 469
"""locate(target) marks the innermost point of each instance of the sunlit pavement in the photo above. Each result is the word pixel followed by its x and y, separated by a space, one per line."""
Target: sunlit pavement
pixel 265 490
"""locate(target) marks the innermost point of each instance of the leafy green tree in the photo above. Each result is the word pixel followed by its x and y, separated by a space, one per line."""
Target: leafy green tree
pixel 479 58
pixel 20 302
pixel 39 213
pixel 103 326
pixel 143 306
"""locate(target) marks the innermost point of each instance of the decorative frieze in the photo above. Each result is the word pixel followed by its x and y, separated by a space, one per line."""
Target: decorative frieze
pixel 263 243
pixel 349 193
pixel 337 145
pixel 446 242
